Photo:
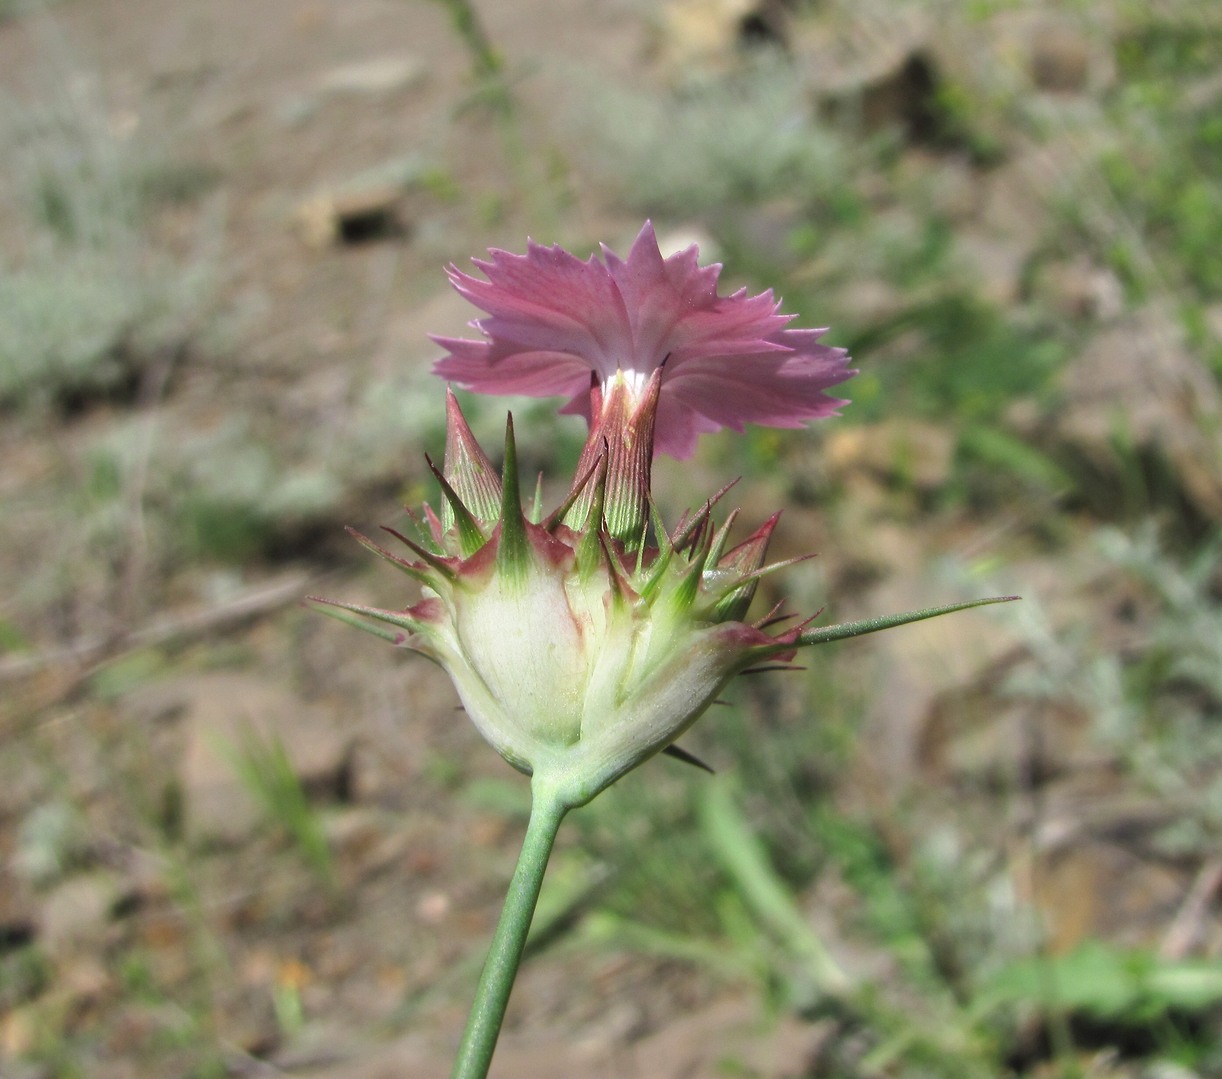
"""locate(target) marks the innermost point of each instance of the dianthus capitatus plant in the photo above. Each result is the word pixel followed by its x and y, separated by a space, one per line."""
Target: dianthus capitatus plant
pixel 586 639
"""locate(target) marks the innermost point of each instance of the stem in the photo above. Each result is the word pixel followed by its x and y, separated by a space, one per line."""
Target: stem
pixel 505 952
pixel 466 20
pixel 744 857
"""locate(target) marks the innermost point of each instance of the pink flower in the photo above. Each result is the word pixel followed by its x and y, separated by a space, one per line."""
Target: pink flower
pixel 553 320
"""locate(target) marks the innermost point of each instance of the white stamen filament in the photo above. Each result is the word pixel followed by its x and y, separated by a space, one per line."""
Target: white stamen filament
pixel 633 380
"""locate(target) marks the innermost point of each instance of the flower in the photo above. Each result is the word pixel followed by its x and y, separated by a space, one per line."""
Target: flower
pixel 585 642
pixel 555 322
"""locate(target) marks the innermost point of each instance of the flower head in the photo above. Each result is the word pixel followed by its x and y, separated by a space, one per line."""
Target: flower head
pixel 575 656
pixel 555 322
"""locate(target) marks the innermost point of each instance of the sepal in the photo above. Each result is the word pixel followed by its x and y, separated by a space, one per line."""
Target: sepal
pixel 468 470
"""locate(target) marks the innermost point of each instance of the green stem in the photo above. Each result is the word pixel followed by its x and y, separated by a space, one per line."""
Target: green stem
pixel 505 952
pixel 484 58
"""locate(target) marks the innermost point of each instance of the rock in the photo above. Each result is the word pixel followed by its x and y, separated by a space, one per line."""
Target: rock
pixel 905 452
pixel 249 1023
pixel 995 265
pixel 75 913
pixel 85 979
pixel 366 841
pixel 976 738
pixel 950 186
pixel 1060 58
pixel 922 670
pixel 729 1030
pixel 705 35
pixel 382 75
pixel 1103 890
pixel 1079 289
pixel 1136 380
pixel 1066 56
pixel 698 1044
pixel 433 907
pixel 20 1031
pixel 348 217
pixel 879 71
pixel 363 207
pixel 1035 47
pixel 868 301
pixel 223 709
pixel 1011 196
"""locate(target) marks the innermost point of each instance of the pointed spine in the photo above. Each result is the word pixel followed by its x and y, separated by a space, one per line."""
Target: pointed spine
pixel 590 548
pixel 641 547
pixel 684 596
pixel 513 550
pixel 757 575
pixel 687 526
pixel 743 562
pixel 327 607
pixel 774 617
pixel 580 488
pixel 749 555
pixel 536 506
pixel 621 586
pixel 873 625
pixel 662 560
pixel 769 667
pixel 719 539
pixel 419 527
pixel 683 755
pixel 470 536
pixel 417 573
pixel 437 530
pixel 441 565
pixel 393 618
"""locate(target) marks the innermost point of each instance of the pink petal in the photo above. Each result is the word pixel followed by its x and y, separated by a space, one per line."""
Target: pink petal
pixel 553 318
pixel 548 300
pixel 493 369
pixel 678 428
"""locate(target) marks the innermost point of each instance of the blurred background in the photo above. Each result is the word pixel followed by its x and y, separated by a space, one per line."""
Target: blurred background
pixel 239 839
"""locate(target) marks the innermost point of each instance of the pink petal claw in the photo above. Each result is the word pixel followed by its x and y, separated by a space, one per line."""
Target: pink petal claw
pixel 552 319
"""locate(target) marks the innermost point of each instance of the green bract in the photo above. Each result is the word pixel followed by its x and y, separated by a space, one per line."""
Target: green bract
pixel 577 654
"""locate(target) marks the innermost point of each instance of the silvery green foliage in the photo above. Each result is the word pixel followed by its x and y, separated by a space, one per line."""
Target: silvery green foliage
pixel 716 142
pixel 88 299
pixel 50 840
pixel 1189 630
pixel 1155 699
